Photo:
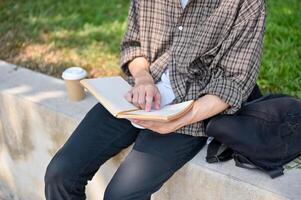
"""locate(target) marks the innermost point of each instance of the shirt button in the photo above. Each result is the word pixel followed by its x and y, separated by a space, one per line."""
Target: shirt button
pixel 180 28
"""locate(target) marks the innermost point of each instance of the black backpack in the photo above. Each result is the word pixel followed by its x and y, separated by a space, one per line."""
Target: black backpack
pixel 264 134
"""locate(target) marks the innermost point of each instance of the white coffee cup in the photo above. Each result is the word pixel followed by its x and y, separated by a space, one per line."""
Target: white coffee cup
pixel 72 76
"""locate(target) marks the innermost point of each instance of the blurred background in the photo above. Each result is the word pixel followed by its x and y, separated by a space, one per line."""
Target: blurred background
pixel 49 36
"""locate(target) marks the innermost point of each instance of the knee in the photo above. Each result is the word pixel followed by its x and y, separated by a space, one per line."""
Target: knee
pixel 120 189
pixel 112 193
pixel 126 190
pixel 56 171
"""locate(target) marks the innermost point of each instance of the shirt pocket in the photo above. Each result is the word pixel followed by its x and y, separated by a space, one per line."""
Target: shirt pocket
pixel 211 34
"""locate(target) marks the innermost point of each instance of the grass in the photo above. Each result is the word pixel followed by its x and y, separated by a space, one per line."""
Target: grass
pixel 281 63
pixel 49 36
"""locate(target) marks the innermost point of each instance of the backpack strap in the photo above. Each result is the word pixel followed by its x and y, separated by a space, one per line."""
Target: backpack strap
pixel 255 94
pixel 218 152
pixel 244 162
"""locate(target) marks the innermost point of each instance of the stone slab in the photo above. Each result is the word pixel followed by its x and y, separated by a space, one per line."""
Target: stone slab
pixel 36 118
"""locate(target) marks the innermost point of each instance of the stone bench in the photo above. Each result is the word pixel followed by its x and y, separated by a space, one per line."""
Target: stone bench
pixel 36 118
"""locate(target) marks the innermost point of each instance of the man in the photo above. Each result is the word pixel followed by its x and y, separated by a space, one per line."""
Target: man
pixel 172 51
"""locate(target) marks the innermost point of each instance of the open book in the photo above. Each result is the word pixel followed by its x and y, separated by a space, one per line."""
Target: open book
pixel 110 91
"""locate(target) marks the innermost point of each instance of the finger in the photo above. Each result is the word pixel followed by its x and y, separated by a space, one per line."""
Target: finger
pixel 141 98
pixel 149 99
pixel 128 96
pixel 157 99
pixel 143 123
pixel 135 120
pixel 131 120
pixel 135 98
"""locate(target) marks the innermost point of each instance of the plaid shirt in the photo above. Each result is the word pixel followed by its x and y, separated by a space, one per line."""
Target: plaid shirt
pixel 210 47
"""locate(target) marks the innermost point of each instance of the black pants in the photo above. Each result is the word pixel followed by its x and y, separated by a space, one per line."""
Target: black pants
pixel 99 136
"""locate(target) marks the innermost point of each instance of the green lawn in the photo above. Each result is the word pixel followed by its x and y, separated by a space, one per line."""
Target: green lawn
pixel 49 36
pixel 281 64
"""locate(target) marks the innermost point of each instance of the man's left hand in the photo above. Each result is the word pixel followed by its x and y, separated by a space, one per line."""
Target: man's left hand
pixel 163 127
pixel 203 108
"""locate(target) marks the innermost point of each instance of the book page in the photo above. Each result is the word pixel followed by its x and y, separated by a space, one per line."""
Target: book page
pixel 110 92
pixel 165 113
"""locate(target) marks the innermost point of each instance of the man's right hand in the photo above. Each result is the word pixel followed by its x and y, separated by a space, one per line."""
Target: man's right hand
pixel 145 92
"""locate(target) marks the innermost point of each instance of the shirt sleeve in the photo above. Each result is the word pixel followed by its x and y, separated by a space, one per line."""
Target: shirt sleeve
pixel 130 44
pixel 236 73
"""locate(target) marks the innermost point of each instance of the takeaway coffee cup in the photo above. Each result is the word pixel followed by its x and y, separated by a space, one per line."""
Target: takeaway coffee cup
pixel 72 76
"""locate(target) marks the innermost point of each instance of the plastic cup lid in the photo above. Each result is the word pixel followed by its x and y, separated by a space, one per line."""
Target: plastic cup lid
pixel 74 73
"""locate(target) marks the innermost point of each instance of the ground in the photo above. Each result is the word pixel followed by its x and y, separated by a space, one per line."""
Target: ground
pixel 49 36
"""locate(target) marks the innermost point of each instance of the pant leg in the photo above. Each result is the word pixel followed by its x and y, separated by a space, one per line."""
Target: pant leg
pixel 152 161
pixel 98 137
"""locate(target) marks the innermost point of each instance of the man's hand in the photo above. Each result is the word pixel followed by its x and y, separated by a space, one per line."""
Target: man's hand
pixel 164 127
pixel 145 92
pixel 203 108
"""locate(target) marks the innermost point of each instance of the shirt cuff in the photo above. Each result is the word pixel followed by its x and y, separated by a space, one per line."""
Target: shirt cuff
pixel 228 91
pixel 128 55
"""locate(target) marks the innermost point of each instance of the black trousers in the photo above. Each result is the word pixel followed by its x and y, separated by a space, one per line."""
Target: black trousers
pixel 152 161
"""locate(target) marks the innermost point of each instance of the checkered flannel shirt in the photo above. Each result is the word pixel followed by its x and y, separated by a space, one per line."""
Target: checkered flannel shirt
pixel 210 47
